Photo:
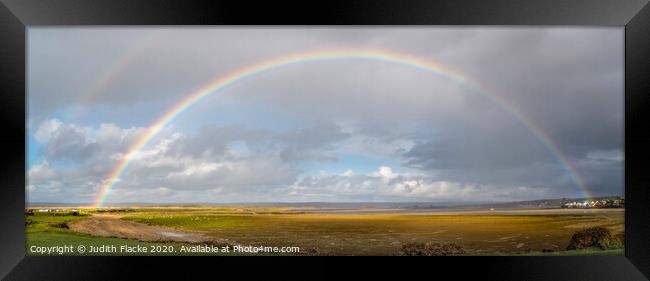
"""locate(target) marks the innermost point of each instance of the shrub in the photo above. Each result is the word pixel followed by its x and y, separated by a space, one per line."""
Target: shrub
pixel 432 249
pixel 598 237
pixel 621 238
pixel 313 252
pixel 60 225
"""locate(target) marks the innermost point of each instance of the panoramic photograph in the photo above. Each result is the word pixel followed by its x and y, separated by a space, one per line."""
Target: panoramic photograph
pixel 325 141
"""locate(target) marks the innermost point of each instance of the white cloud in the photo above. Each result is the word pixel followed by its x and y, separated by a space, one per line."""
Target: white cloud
pixel 386 185
pixel 157 174
pixel 154 168
pixel 47 130
pixel 40 172
pixel 385 173
pixel 606 155
pixel 65 141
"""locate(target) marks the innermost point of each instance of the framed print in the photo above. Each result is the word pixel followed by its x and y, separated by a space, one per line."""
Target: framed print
pixel 507 137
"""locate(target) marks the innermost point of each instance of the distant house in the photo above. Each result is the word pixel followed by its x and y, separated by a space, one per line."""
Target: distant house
pixel 600 203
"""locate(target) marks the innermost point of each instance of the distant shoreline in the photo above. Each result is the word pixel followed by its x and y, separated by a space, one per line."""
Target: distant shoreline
pixel 418 206
pixel 359 211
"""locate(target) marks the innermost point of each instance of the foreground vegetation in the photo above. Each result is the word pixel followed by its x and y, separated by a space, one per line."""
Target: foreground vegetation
pixel 49 230
pixel 384 234
pixel 350 234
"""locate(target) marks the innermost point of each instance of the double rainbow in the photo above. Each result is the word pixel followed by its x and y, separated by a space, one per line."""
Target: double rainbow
pixel 117 67
pixel 326 55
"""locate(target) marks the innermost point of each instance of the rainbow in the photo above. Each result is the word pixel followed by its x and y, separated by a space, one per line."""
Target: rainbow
pixel 118 66
pixel 325 55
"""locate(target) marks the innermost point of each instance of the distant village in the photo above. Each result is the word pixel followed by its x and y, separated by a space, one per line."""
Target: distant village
pixel 74 212
pixel 596 203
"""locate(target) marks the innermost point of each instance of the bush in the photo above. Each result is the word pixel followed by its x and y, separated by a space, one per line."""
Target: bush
pixel 313 252
pixel 60 225
pixel 598 237
pixel 432 249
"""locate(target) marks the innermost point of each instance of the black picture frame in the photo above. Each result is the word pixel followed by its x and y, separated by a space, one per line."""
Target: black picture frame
pixel 18 15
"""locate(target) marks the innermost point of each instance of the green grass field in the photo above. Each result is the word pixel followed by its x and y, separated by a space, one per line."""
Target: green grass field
pixel 350 234
pixel 43 232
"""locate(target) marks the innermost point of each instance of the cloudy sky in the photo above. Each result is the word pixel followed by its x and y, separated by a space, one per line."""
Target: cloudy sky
pixel 342 130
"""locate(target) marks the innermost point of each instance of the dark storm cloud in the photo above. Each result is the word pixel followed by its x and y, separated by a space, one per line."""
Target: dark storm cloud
pixel 569 81
pixel 295 145
pixel 306 143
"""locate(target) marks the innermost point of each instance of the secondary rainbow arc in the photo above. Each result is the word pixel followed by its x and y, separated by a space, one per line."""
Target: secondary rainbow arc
pixel 323 55
pixel 118 66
